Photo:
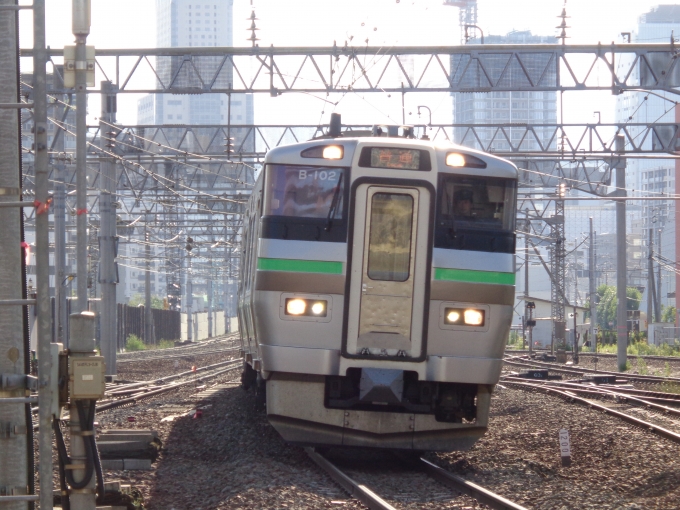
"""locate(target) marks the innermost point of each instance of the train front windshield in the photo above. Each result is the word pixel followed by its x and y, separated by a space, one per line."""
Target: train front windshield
pixel 476 213
pixel 304 192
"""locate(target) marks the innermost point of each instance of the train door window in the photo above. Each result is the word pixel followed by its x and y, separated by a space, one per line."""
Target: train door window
pixel 389 249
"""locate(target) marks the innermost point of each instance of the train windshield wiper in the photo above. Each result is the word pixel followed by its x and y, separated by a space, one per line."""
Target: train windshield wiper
pixel 334 205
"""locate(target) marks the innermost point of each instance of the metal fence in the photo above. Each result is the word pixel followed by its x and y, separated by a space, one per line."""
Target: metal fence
pixel 166 324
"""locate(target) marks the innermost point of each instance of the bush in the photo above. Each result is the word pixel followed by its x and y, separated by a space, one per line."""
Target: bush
pixel 134 343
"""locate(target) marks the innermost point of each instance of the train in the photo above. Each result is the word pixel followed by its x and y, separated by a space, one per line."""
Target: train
pixel 376 289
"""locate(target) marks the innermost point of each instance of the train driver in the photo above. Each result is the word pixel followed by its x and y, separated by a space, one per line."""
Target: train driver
pixel 463 202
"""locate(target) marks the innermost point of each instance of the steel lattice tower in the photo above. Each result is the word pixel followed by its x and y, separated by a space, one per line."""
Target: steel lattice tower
pixel 558 270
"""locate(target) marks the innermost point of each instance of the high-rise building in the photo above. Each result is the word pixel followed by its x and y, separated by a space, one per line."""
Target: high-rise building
pixel 506 107
pixel 652 177
pixel 187 23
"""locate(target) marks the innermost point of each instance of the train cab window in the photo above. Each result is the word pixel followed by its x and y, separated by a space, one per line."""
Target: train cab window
pixel 475 213
pixel 305 203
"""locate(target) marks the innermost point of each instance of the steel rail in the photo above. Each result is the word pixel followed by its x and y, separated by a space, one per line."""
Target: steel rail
pixel 459 484
pixel 355 489
pixel 643 356
pixel 142 396
pixel 173 356
pixel 603 392
pixel 515 360
pixel 169 387
pixel 572 397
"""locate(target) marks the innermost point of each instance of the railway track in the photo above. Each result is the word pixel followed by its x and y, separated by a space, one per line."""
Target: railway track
pixel 132 393
pixel 373 501
pixel 577 370
pixel 205 346
pixel 182 356
pixel 627 402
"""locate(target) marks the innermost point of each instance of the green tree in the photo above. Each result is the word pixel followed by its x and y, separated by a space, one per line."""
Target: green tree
pixel 138 299
pixel 668 314
pixel 608 303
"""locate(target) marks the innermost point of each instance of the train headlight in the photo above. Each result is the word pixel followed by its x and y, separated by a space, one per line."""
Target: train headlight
pixel 464 317
pixel 295 306
pixel 473 317
pixel 455 159
pixel 332 152
pixel 307 307
pixel 453 316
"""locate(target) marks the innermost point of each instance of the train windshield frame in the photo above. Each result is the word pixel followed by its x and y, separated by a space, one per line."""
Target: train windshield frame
pixel 476 213
pixel 305 202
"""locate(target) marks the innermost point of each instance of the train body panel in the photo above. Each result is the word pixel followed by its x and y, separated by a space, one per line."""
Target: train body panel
pixel 377 290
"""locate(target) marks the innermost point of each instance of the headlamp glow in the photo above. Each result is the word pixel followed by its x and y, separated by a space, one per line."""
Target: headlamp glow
pixel 464 317
pixel 295 306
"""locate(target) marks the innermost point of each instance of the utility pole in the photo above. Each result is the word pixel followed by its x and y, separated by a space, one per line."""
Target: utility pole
pixel 81 29
pixel 210 300
pixel 621 267
pixel 59 207
pixel 15 412
pixel 148 315
pixel 657 308
pixel 189 298
pixel 592 291
pixel 107 233
pixel 526 276
pixel 42 258
pixel 575 352
pixel 651 295
pixel 227 274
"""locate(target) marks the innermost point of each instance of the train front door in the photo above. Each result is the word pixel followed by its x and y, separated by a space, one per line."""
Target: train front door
pixel 388 271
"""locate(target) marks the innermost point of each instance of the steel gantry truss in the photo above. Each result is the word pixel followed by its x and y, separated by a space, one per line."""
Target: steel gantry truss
pixel 467 68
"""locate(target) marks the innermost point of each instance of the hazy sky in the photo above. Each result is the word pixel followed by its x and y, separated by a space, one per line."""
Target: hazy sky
pixel 130 23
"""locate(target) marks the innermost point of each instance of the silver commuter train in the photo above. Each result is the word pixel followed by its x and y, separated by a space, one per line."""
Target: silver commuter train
pixel 377 288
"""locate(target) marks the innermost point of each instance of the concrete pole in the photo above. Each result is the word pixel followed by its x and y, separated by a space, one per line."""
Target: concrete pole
pixel 592 290
pixel 189 300
pixel 227 274
pixel 42 260
pixel 81 29
pixel 81 344
pixel 621 266
pixel 210 301
pixel 148 314
pixel 526 271
pixel 107 231
pixel 657 308
pixel 59 208
pixel 650 281
pixel 677 223
pixel 14 475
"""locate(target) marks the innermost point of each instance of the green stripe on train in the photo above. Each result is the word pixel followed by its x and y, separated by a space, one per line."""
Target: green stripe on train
pixel 464 275
pixel 299 266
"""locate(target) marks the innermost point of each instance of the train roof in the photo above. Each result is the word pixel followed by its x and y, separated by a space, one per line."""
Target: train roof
pixel 291 154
